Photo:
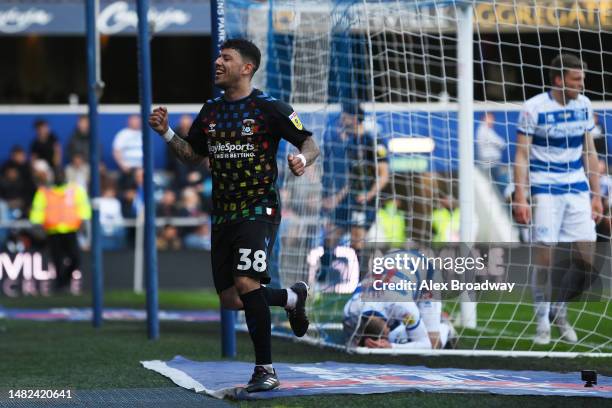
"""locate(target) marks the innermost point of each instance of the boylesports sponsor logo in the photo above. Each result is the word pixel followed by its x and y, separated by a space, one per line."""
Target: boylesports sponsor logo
pixel 229 150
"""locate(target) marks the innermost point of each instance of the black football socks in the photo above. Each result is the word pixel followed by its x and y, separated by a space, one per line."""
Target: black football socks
pixel 257 314
pixel 275 297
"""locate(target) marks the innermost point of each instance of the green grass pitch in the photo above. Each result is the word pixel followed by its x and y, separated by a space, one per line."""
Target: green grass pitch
pixel 77 356
pixel 507 325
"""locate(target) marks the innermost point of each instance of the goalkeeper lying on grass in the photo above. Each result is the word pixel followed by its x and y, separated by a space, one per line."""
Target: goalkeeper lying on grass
pixel 413 322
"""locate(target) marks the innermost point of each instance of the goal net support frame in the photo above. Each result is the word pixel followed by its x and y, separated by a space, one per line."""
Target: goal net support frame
pixel 286 74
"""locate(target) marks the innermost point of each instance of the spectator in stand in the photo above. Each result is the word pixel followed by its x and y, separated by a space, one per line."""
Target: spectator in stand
pixel 20 195
pixel 127 149
pixel 79 140
pixel 19 160
pixel 491 148
pixel 132 197
pixel 111 220
pixel 200 238
pixel 191 206
pixel 167 206
pixel 169 239
pixel 106 179
pixel 184 125
pixel 42 173
pixel 46 146
pixel 392 221
pixel 77 171
pixel 445 220
pixel 5 217
pixel 14 193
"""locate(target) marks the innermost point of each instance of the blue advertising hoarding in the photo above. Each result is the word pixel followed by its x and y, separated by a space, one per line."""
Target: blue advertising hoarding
pixel 440 125
pixel 67 17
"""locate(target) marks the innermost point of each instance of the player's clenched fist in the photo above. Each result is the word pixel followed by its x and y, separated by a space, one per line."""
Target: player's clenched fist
pixel 297 164
pixel 158 120
pixel 522 211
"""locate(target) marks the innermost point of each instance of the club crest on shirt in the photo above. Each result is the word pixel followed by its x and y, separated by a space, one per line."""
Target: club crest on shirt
pixel 211 127
pixel 248 126
pixel 296 121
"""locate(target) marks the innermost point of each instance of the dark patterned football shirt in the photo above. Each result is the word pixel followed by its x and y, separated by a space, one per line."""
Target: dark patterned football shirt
pixel 241 140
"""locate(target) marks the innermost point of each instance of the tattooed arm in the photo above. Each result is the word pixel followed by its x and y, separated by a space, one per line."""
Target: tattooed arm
pixel 158 120
pixel 309 150
pixel 184 151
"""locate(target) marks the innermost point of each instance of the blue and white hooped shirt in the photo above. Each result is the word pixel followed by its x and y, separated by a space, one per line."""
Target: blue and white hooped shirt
pixel 557 136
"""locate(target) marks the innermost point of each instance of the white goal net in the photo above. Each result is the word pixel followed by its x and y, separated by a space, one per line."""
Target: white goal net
pixel 418 149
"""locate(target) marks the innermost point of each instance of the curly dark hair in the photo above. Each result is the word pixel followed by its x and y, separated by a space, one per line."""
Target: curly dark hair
pixel 245 48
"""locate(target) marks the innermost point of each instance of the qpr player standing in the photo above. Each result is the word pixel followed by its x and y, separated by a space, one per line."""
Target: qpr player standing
pixel 554 145
pixel 239 133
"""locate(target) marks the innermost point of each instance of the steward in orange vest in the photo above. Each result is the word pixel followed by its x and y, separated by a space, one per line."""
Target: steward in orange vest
pixel 61 209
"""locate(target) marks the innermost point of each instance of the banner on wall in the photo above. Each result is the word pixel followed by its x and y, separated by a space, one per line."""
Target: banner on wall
pixel 167 17
pixel 192 17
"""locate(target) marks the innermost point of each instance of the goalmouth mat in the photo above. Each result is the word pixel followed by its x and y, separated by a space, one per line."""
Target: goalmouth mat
pixel 227 378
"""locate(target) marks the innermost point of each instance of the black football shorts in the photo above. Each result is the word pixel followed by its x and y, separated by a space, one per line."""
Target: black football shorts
pixel 241 249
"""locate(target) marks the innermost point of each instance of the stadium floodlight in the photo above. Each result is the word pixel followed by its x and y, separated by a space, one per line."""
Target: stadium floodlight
pixel 433 76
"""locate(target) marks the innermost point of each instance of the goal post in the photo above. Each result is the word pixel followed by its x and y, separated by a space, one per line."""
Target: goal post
pixel 441 85
pixel 218 35
pixel 465 101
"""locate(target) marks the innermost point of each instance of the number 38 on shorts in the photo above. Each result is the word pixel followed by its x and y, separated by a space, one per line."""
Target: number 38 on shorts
pixel 241 249
pixel 252 260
